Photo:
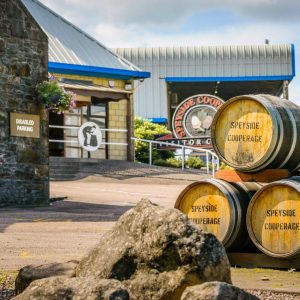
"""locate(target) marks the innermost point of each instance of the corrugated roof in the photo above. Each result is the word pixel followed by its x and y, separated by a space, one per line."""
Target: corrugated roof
pixel 214 61
pixel 68 44
pixel 204 64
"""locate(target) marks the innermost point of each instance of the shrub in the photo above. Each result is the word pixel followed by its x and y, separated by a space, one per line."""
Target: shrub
pixel 174 162
pixel 194 162
pixel 160 162
pixel 223 166
pixel 145 129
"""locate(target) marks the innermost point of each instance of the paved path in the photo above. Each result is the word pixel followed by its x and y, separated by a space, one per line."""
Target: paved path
pixel 69 228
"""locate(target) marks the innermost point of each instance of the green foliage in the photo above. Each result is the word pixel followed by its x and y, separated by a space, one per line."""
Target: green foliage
pixel 223 166
pixel 55 97
pixel 194 162
pixel 145 129
pixel 160 162
pixel 174 162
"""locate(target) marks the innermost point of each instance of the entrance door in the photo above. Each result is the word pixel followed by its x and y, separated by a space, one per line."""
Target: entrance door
pixel 56 148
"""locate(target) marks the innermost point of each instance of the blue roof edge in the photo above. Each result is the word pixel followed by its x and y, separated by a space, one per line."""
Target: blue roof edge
pixel 158 120
pixel 238 78
pixel 293 59
pixel 64 68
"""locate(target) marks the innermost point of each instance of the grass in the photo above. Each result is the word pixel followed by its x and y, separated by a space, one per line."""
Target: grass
pixel 7 279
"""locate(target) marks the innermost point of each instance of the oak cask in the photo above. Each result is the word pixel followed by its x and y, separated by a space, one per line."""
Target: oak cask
pixel 219 207
pixel 255 132
pixel 273 218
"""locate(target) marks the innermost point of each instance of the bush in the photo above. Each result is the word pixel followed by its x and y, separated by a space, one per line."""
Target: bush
pixel 174 162
pixel 194 162
pixel 160 162
pixel 145 129
pixel 223 166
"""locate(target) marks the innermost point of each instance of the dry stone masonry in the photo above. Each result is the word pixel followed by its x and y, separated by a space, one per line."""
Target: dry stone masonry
pixel 24 175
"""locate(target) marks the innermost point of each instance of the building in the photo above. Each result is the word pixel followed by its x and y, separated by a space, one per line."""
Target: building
pixel 102 81
pixel 225 71
pixel 24 163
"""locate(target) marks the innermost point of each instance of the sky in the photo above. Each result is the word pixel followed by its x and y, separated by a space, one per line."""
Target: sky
pixel 153 23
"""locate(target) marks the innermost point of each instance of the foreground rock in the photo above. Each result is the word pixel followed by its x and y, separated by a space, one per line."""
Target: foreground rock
pixel 30 273
pixel 156 253
pixel 216 291
pixel 63 288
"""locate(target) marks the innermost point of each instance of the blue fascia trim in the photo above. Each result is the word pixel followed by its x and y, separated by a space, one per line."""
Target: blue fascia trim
pixel 158 120
pixel 63 68
pixel 293 59
pixel 214 79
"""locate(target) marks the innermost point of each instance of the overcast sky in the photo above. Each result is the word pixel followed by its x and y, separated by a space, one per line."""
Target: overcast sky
pixel 134 23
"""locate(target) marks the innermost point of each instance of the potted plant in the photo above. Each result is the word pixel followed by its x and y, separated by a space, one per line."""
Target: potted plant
pixel 56 98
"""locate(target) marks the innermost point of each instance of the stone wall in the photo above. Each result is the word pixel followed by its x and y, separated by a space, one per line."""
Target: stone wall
pixel 24 174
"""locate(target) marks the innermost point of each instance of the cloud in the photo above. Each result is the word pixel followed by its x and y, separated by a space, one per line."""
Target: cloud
pixel 135 23
pixel 172 12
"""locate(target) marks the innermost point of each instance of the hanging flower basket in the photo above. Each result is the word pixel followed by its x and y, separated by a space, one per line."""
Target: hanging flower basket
pixel 55 97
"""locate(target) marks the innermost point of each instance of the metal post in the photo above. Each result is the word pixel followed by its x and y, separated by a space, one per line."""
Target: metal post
pixel 183 158
pixel 285 89
pixel 150 153
pixel 213 169
pixel 207 167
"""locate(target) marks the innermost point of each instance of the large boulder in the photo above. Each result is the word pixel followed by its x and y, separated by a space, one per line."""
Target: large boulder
pixel 30 273
pixel 156 253
pixel 216 291
pixel 64 288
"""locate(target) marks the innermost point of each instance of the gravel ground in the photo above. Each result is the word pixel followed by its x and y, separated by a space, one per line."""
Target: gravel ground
pixel 270 295
pixel 6 293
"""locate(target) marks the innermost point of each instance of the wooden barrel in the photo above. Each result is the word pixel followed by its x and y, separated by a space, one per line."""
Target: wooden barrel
pixel 273 218
pixel 255 132
pixel 219 207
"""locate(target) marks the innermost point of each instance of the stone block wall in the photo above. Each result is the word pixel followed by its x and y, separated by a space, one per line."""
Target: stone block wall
pixel 24 174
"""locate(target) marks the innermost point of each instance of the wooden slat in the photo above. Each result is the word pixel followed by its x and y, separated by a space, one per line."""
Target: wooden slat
pixel 267 176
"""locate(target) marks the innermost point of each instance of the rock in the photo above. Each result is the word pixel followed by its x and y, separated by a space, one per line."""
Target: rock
pixel 156 253
pixel 216 291
pixel 64 288
pixel 30 273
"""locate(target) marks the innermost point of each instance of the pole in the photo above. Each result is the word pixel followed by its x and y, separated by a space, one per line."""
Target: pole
pixel 207 166
pixel 150 153
pixel 183 158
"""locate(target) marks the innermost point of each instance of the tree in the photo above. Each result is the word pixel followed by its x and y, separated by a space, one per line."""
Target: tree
pixel 145 129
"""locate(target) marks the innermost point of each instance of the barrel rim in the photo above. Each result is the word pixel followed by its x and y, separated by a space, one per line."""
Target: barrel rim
pixel 275 117
pixel 286 182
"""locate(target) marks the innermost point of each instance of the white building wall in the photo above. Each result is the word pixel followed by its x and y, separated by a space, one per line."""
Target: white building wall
pixel 221 61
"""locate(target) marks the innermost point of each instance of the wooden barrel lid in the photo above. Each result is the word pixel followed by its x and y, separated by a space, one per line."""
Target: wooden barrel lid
pixel 207 206
pixel 273 219
pixel 242 131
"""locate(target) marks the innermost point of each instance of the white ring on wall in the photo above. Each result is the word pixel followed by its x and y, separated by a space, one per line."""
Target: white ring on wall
pixel 89 136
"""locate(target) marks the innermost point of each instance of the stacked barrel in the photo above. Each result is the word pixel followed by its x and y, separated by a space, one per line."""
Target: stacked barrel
pixel 252 133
